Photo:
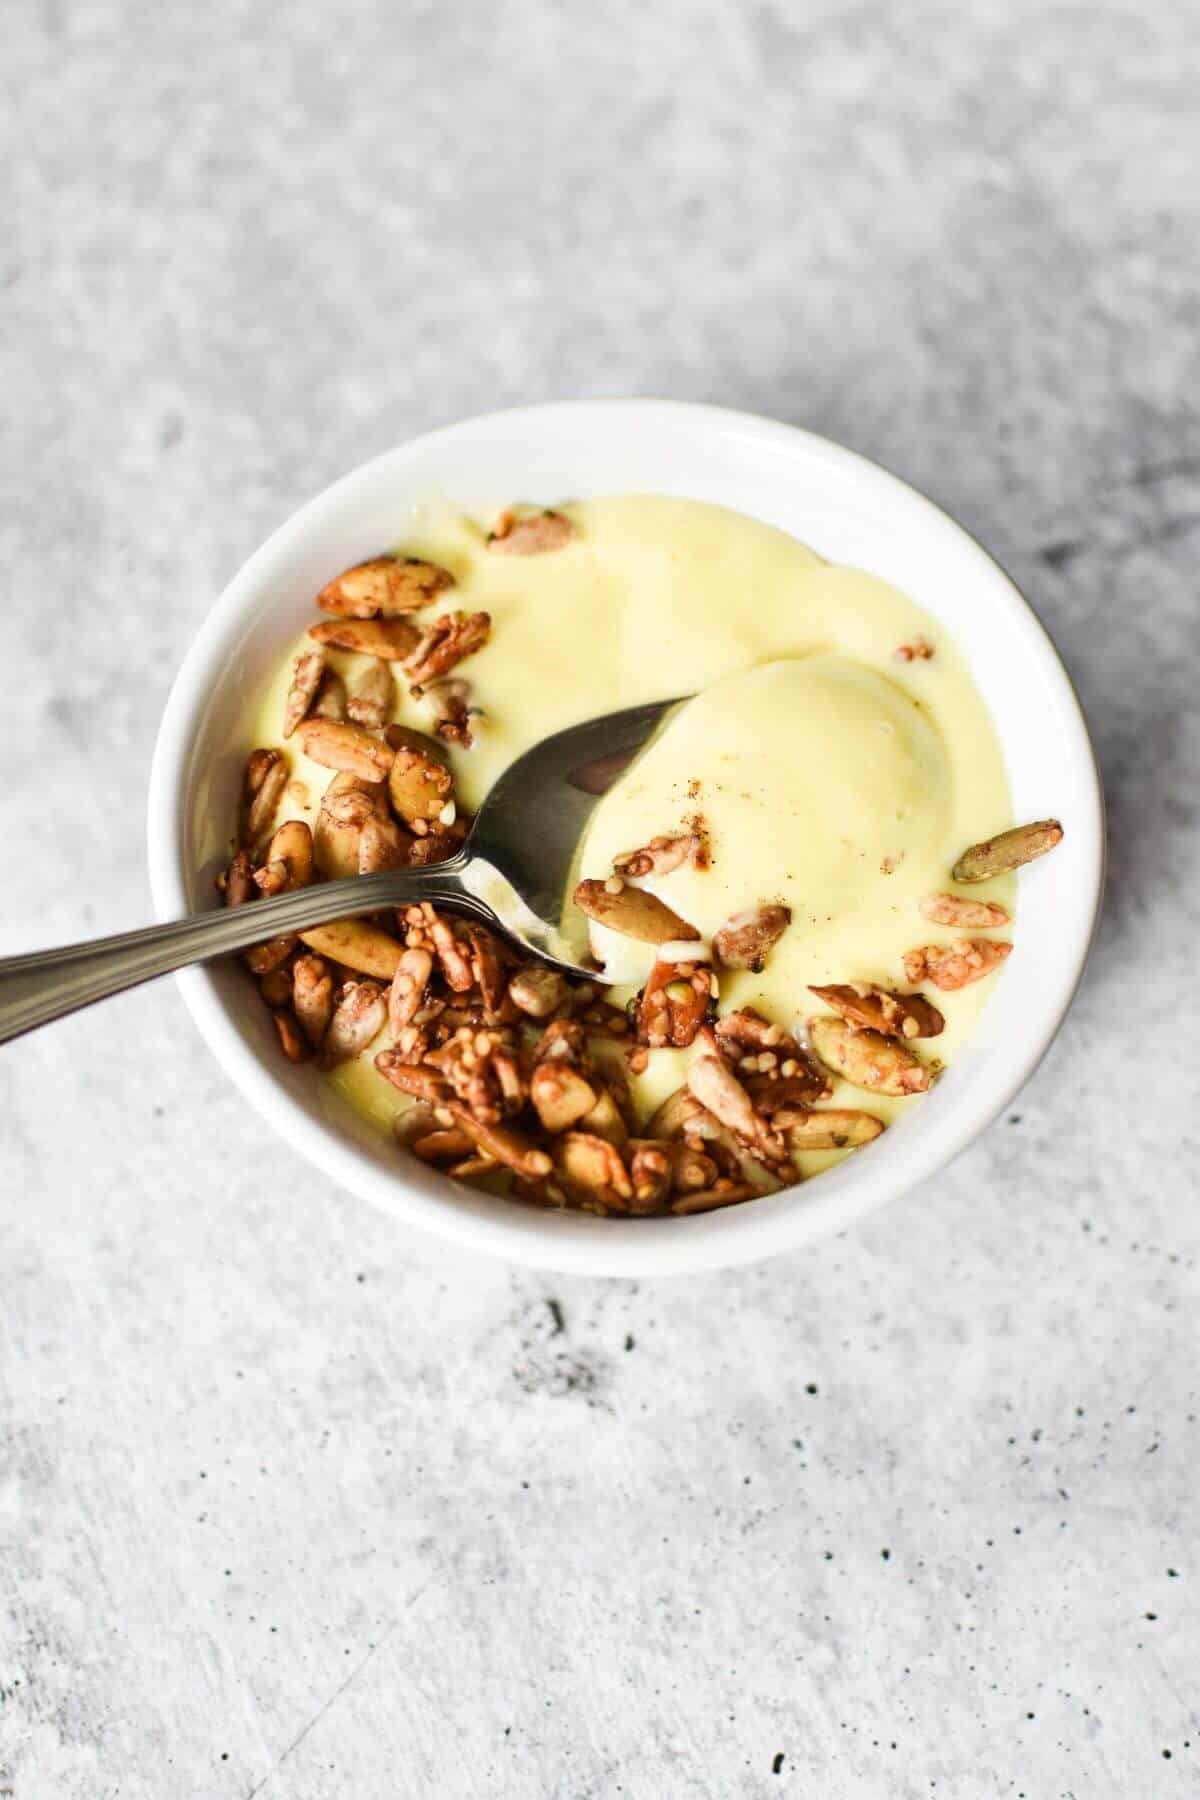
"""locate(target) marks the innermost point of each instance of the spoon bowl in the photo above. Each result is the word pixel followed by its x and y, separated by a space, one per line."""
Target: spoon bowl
pixel 511 874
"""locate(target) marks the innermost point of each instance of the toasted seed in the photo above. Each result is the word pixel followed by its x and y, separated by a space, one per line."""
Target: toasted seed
pixel 719 1090
pixel 956 965
pixel 330 702
pixel 775 1093
pixel 291 1042
pixel 261 959
pixel 605 1119
pixel 532 535
pixel 409 983
pixel 361 946
pixel 874 1008
pixel 419 786
pixel 306 680
pixel 276 986
pixel 450 638
pixel 650 1168
pixel 746 940
pixel 387 586
pixel 312 997
pixel 505 1143
pixel 239 880
pixel 382 845
pixel 589 1162
pixel 346 805
pixel 392 639
pixel 867 1059
pixel 560 1095
pixel 691 1169
pixel 372 699
pixel 830 1128
pixel 289 863
pixel 538 992
pixel 918 649
pixel 660 856
pixel 967 915
pixel 633 912
pixel 417 1079
pixel 674 1004
pixel 448 1144
pixel 346 748
pixel 266 778
pixel 672 1117
pixel 359 1014
pixel 995 856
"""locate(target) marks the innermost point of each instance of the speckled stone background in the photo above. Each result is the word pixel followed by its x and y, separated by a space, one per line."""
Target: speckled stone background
pixel 296 1506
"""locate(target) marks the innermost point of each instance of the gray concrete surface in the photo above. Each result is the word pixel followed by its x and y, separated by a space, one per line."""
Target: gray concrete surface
pixel 295 1506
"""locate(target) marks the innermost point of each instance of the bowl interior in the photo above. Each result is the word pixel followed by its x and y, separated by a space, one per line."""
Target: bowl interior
pixel 847 509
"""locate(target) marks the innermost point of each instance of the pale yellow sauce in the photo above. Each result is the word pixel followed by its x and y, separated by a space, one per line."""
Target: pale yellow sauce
pixel 829 774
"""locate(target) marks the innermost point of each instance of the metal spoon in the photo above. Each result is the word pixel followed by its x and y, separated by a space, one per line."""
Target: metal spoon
pixel 511 873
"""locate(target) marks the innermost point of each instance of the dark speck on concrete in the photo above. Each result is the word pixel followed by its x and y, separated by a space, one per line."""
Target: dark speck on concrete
pixel 810 1387
pixel 556 1313
pixel 629 1340
pixel 777 1765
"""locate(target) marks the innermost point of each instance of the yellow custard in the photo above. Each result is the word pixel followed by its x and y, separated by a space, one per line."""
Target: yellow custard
pixel 828 773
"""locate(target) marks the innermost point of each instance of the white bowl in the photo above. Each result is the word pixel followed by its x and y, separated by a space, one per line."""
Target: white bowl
pixel 849 510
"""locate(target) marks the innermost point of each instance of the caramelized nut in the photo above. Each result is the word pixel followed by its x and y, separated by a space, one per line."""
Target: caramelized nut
pixel 956 965
pixel 392 639
pixel 633 912
pixel 346 748
pixel 966 915
pixel 531 535
pixel 996 856
pixel 867 1059
pixel 387 586
pixel 746 940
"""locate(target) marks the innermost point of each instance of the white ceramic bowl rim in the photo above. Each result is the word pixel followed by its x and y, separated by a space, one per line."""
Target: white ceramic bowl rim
pixel 695 449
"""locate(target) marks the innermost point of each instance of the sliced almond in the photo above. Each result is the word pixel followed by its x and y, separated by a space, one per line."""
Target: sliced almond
pixel 633 912
pixel 372 699
pixel 868 1059
pixel 996 856
pixel 387 586
pixel 330 702
pixel 261 959
pixel 560 1095
pixel 593 1165
pixel 306 680
pixel 289 860
pixel 956 965
pixel 538 992
pixel 828 1128
pixel 417 1079
pixel 673 1116
pixel 879 1009
pixel 747 939
pixel 650 1167
pixel 419 786
pixel 530 535
pixel 691 1169
pixel 359 1015
pixel 965 915
pixel 444 1146
pixel 266 778
pixel 312 997
pixel 238 885
pixel 392 639
pixel 719 1090
pixel 357 944
pixel 504 1143
pixel 382 845
pixel 291 1042
pixel 606 1119
pixel 446 642
pixel 660 856
pixel 276 986
pixel 409 983
pixel 347 748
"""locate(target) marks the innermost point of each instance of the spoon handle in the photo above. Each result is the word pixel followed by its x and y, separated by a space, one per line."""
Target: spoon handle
pixel 46 984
